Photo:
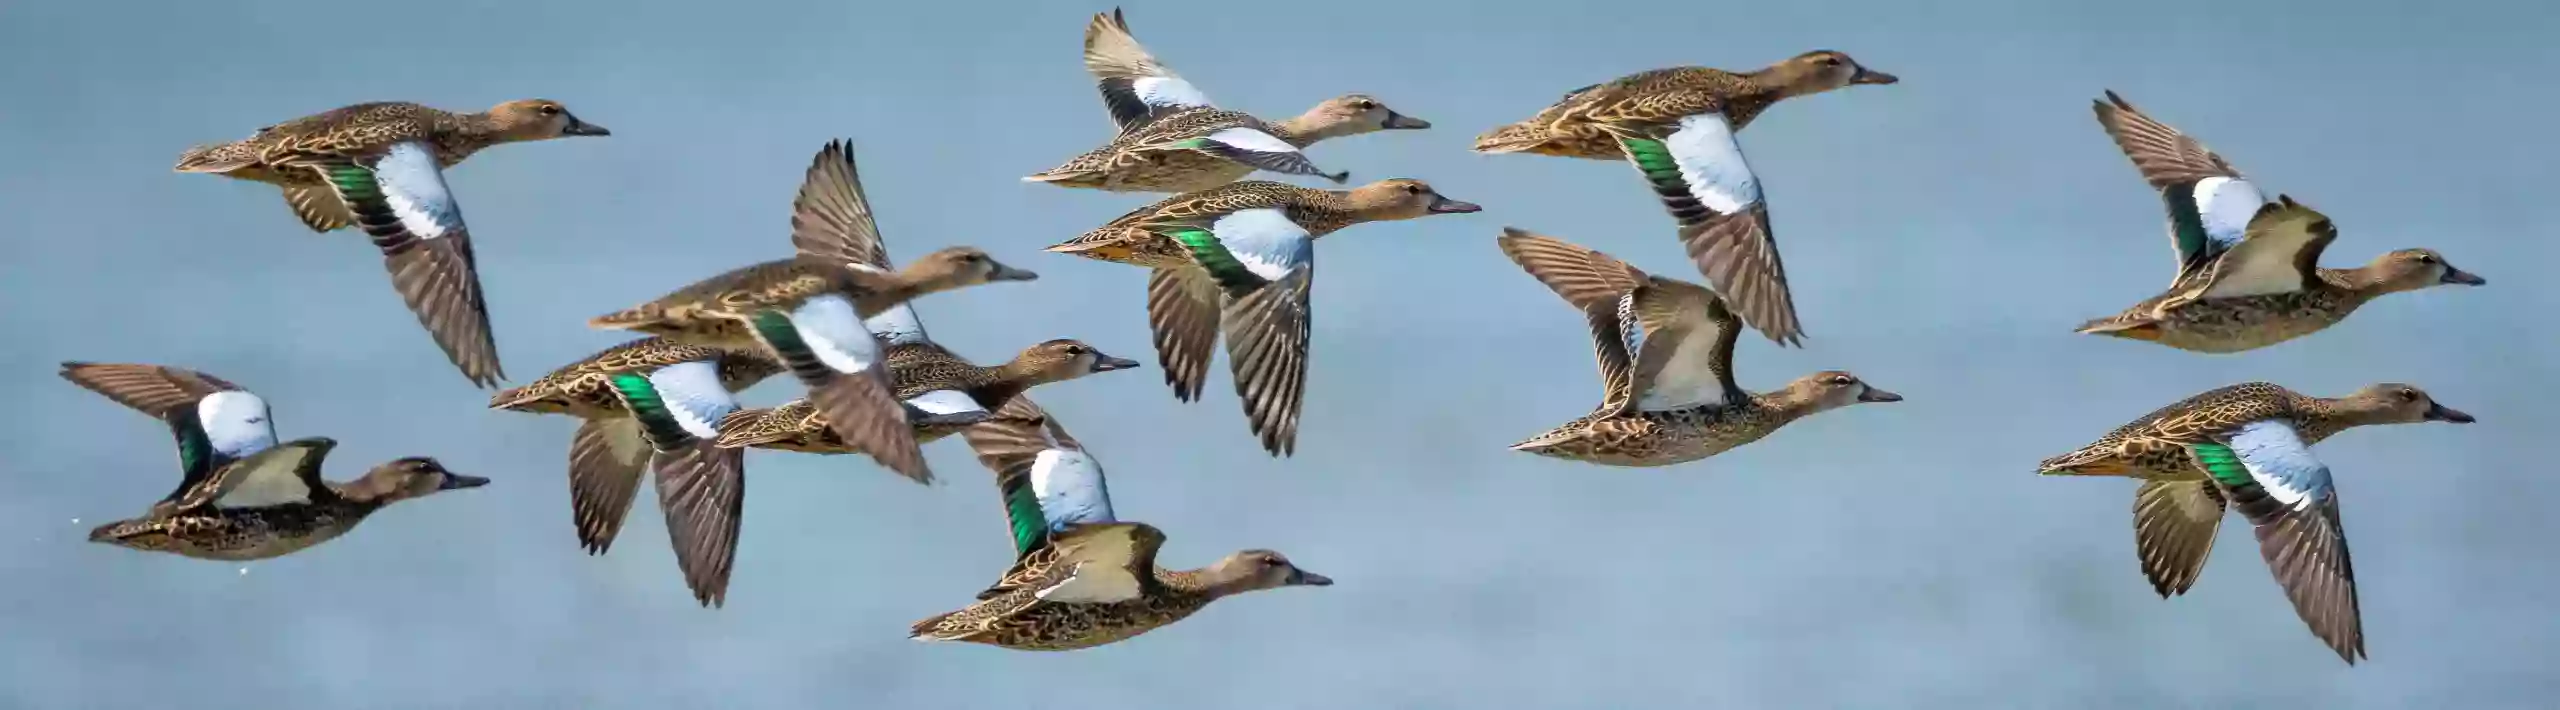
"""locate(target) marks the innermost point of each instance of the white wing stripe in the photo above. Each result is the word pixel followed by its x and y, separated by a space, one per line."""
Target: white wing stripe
pixel 1711 163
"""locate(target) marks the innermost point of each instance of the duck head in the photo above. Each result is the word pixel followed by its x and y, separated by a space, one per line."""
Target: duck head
pixel 2396 403
pixel 1253 570
pixel 1351 115
pixel 1065 359
pixel 412 477
pixel 957 267
pixel 1404 198
pixel 540 119
pixel 2413 269
pixel 1819 71
pixel 1833 389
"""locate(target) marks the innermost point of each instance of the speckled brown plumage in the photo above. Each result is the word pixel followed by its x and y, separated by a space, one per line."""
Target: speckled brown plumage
pixel 1135 239
pixel 1164 155
pixel 1688 338
pixel 200 526
pixel 280 154
pixel 1587 122
pixel 915 369
pixel 1124 592
pixel 2179 505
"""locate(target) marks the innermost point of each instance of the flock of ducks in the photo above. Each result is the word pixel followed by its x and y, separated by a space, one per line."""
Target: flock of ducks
pixel 1232 259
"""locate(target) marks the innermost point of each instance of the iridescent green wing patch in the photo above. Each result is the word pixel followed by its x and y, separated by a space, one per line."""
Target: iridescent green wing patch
pixel 642 398
pixel 2223 465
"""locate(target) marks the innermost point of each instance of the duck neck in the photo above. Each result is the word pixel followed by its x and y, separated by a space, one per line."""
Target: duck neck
pixel 993 386
pixel 1202 583
pixel 1787 405
pixel 2318 418
pixel 458 135
pixel 1305 129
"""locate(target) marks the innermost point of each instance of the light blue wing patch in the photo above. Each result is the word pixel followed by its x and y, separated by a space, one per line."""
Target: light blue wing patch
pixel 236 424
pixel 1068 483
pixel 945 408
pixel 2280 462
pixel 694 396
pixel 897 326
pixel 2224 206
pixel 1265 241
pixel 833 330
pixel 414 187
pixel 1165 94
pixel 1711 162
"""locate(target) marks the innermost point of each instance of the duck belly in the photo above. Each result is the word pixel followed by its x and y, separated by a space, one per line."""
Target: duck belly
pixel 2230 325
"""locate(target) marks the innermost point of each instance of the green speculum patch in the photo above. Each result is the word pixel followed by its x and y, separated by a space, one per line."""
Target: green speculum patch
pixel 2220 463
pixel 1029 529
pixel 1654 160
pixel 1214 258
pixel 651 411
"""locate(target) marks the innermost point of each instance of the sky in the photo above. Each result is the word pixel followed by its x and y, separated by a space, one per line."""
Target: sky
pixel 1943 235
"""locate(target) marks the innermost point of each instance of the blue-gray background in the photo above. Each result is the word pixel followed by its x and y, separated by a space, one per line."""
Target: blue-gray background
pixel 1945 234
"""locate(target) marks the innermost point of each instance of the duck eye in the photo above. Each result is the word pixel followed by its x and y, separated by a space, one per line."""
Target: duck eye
pixel 2409 394
pixel 1364 104
pixel 1831 61
pixel 550 109
pixel 1842 380
pixel 2426 258
pixel 1413 189
pixel 1078 350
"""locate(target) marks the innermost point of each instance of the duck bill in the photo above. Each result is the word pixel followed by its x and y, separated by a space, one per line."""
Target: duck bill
pixel 582 128
pixel 1007 273
pixel 454 481
pixel 1108 363
pixel 1877 395
pixel 1865 76
pixel 1303 578
pixel 1443 205
pixel 1400 122
pixel 2441 413
pixel 2458 276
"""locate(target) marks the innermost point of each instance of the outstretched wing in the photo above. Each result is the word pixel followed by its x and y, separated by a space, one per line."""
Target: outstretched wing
pixel 2173 527
pixel 2209 202
pixel 1696 166
pixel 400 199
pixel 2280 255
pixel 1047 480
pixel 1135 87
pixel 213 421
pixel 2269 474
pixel 1682 337
pixel 831 219
pixel 288 473
pixel 1102 564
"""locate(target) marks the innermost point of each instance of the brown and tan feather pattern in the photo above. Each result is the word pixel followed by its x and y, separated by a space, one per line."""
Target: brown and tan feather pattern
pixel 2174 524
pixel 701 489
pixel 151 389
pixel 832 220
pixel 319 208
pixel 2155 445
pixel 607 458
pixel 1267 347
pixel 2164 156
pixel 1183 312
pixel 1116 60
pixel 440 281
pixel 1737 254
pixel 2306 548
